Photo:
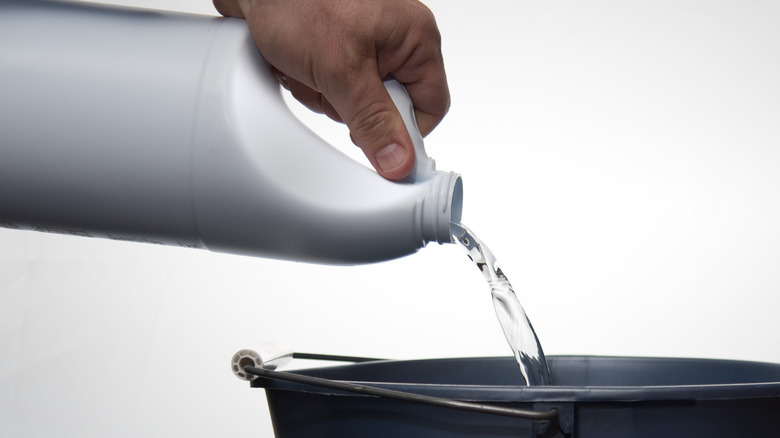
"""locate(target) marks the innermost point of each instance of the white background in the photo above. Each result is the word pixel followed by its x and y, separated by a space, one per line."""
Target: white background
pixel 619 157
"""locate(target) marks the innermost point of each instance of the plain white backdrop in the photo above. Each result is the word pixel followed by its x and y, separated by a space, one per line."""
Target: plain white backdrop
pixel 620 158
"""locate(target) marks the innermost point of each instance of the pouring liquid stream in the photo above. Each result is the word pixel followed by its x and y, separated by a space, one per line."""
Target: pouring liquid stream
pixel 517 328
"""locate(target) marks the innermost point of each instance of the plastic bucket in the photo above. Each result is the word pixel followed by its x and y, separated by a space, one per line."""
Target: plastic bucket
pixel 594 397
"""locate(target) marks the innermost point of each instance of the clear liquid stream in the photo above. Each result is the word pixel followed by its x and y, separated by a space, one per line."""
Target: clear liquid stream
pixel 511 315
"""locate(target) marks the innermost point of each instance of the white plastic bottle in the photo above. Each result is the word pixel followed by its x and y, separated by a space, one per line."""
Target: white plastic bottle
pixel 169 128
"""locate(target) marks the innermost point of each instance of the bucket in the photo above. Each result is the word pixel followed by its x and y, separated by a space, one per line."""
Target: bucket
pixel 592 397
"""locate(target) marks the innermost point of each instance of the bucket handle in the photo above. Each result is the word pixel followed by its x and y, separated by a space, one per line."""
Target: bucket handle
pixel 397 395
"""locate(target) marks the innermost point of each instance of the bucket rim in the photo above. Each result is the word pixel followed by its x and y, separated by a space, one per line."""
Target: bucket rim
pixel 554 393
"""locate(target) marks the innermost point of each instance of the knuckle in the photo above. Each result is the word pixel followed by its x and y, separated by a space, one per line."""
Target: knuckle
pixel 371 124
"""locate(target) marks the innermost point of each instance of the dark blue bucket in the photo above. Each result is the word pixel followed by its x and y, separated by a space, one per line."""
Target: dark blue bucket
pixel 592 397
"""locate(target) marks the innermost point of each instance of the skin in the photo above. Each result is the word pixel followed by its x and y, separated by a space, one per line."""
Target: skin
pixel 333 54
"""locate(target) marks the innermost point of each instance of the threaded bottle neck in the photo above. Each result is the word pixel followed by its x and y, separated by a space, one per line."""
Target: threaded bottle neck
pixel 443 205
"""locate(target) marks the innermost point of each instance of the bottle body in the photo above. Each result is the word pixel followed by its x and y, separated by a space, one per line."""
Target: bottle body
pixel 169 128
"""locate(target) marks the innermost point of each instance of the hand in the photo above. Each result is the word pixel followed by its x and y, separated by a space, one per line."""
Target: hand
pixel 333 54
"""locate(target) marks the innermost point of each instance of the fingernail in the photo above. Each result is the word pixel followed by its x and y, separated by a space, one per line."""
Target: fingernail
pixel 391 157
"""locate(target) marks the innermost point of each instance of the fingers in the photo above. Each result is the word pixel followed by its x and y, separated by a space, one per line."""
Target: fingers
pixel 312 99
pixel 333 55
pixel 228 8
pixel 371 116
pixel 431 100
pixel 374 123
pixel 422 70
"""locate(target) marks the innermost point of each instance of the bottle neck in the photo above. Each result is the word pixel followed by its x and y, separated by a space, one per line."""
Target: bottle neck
pixel 443 205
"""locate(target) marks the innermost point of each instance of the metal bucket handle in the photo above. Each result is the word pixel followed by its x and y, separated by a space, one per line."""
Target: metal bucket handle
pixel 528 414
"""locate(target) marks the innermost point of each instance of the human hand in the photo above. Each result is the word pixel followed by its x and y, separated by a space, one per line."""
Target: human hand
pixel 333 54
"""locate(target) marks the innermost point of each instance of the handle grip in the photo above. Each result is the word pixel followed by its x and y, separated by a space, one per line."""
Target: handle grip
pixel 424 166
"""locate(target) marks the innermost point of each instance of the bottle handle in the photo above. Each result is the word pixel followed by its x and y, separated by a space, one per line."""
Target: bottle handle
pixel 424 166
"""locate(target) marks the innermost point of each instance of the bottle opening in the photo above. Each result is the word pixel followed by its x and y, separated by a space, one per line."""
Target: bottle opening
pixel 456 203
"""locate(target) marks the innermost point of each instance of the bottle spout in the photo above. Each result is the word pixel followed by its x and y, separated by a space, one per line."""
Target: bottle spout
pixel 445 204
pixel 442 207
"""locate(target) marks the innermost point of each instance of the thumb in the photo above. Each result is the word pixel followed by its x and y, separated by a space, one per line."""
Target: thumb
pixel 376 126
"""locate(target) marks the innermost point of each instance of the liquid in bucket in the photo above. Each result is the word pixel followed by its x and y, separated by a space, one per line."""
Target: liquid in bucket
pixel 511 315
